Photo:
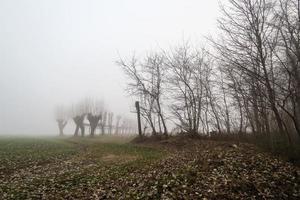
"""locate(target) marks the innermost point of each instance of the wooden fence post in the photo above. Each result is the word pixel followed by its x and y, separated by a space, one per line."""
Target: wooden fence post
pixel 137 105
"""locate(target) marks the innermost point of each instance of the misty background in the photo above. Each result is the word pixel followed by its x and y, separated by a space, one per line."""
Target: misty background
pixel 59 51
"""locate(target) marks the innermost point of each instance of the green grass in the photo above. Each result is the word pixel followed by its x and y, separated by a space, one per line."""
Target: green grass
pixel 31 167
pixel 25 152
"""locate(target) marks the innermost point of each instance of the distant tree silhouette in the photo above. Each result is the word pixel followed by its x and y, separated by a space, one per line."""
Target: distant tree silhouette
pixel 61 119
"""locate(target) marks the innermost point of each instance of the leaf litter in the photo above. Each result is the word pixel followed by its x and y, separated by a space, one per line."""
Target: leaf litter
pixel 194 169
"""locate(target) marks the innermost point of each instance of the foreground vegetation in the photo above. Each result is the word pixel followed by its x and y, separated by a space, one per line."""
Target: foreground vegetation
pixel 113 168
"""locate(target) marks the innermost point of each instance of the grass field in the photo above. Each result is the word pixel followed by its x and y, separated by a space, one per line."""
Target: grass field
pixel 113 168
pixel 70 167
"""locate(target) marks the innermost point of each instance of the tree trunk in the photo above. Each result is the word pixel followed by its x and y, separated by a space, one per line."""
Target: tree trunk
pixel 79 121
pixel 76 130
pixel 61 125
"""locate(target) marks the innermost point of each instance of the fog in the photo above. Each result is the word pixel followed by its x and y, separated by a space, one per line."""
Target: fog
pixel 60 51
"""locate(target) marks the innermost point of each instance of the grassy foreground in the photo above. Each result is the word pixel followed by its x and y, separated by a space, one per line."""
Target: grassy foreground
pixel 112 168
pixel 56 168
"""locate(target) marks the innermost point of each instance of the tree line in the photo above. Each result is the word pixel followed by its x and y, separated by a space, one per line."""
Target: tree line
pixel 246 82
pixel 92 113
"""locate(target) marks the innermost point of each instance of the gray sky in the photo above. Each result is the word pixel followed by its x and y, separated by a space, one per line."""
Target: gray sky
pixel 60 51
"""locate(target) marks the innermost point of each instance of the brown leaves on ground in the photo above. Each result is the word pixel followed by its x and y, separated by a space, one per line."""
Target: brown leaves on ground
pixel 189 169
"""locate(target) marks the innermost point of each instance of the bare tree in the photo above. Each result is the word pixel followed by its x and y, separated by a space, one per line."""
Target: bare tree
pixel 288 54
pixel 79 112
pixel 94 113
pixel 247 46
pixel 103 122
pixel 110 119
pixel 117 128
pixel 249 84
pixel 61 118
pixel 127 126
pixel 189 73
pixel 147 84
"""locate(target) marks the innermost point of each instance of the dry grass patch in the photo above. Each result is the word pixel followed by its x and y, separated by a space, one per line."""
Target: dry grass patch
pixel 118 158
